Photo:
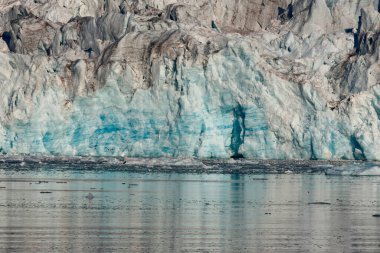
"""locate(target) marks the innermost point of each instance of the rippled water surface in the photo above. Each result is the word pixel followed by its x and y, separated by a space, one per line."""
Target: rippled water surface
pixel 60 209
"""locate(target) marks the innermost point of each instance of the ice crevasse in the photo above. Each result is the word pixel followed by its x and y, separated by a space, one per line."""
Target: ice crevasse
pixel 210 79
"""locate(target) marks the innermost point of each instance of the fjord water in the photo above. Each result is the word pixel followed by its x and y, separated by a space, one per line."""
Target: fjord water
pixel 74 209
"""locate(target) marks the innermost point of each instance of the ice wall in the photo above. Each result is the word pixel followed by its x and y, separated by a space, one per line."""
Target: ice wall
pixel 209 78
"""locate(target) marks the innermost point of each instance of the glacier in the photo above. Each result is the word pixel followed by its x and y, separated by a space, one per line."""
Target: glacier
pixel 256 79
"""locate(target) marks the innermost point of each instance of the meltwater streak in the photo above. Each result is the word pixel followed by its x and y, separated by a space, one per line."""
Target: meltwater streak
pixel 59 208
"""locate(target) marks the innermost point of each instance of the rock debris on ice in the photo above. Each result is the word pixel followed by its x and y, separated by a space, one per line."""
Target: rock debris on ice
pixel 281 79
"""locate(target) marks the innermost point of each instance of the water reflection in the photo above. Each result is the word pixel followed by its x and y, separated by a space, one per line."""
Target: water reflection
pixel 186 212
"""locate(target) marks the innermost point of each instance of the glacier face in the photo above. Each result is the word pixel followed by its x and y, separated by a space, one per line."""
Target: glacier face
pixel 191 78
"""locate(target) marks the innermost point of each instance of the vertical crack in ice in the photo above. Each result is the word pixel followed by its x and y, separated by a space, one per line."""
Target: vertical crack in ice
pixel 7 37
pixel 200 140
pixel 238 131
pixel 357 36
pixel 313 156
pixel 357 149
pixel 175 75
pixel 285 14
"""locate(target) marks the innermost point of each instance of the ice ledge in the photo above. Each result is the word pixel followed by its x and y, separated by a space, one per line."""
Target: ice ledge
pixel 192 165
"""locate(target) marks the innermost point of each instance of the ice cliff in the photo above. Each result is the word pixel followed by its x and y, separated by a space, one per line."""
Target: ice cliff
pixel 260 79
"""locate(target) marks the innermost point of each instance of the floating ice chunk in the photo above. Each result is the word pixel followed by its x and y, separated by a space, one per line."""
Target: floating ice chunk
pixel 355 169
pixel 374 171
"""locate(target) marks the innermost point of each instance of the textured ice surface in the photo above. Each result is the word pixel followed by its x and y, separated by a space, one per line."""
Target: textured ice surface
pixel 208 79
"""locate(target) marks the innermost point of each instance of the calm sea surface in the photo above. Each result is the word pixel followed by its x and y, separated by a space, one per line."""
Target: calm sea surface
pixel 60 209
